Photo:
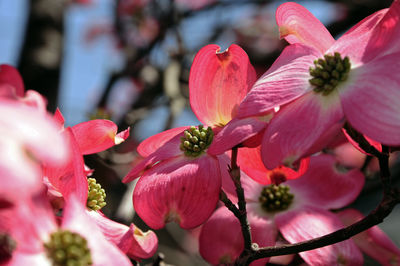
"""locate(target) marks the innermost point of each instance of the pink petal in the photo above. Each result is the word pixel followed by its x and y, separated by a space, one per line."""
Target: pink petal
pixel 374 242
pixel 130 239
pixel 286 80
pixel 170 142
pixel 103 252
pixel 249 160
pixel 97 135
pixel 305 224
pixel 297 128
pixel 35 99
pixel 325 185
pixel 10 76
pixel 218 82
pixel 298 25
pixel 59 118
pixel 180 189
pixel 221 240
pixel 371 142
pixel 372 102
pixel 151 144
pixel 234 133
pixel 354 42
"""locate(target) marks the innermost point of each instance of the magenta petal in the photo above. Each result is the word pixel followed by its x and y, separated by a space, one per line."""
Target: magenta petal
pixel 218 82
pixel 234 133
pixel 297 128
pixel 10 76
pixel 325 185
pixel 181 189
pixel 305 224
pixel 374 242
pixel 151 144
pixel 103 252
pixel 298 25
pixel 130 239
pixel 97 135
pixel 372 102
pixel 286 80
pixel 170 141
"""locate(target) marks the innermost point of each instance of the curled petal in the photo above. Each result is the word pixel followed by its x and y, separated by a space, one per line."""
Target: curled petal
pixel 130 239
pixel 314 192
pixel 286 80
pixel 298 25
pixel 305 224
pixel 151 144
pixel 179 189
pixel 98 135
pixel 374 242
pixel 234 133
pixel 218 82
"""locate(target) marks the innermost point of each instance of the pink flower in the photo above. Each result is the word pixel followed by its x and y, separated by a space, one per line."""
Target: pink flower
pixel 319 83
pixel 35 237
pixel 180 181
pixel 299 210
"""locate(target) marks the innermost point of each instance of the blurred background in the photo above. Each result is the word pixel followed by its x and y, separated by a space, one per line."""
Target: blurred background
pixel 129 61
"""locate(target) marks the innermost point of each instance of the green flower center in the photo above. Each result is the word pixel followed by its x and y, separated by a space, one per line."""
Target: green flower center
pixel 196 140
pixel 7 246
pixel 96 195
pixel 67 248
pixel 275 198
pixel 329 72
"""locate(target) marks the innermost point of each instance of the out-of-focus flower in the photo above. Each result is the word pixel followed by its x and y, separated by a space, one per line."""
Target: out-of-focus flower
pixel 180 181
pixel 298 209
pixel 39 240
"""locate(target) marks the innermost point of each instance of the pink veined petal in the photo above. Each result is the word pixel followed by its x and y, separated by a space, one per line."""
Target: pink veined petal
pixel 181 189
pixel 218 82
pixel 221 241
pixel 385 36
pixel 249 160
pixel 354 42
pixel 9 75
pixel 151 144
pixel 298 126
pixel 374 242
pixel 97 135
pixel 234 133
pixel 102 251
pixel 286 80
pixel 372 102
pixel 319 186
pixel 305 224
pixel 130 239
pixel 298 25
pixel 170 148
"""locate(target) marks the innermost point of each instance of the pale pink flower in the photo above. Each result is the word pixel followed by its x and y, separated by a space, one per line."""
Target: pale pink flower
pixel 31 229
pixel 183 186
pixel 323 187
pixel 316 99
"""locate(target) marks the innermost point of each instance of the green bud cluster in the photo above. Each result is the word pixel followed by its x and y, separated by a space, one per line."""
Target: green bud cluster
pixel 96 195
pixel 275 198
pixel 195 140
pixel 329 72
pixel 66 248
pixel 7 246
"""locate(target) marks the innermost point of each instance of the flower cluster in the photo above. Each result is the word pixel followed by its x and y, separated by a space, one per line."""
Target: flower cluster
pixel 49 209
pixel 283 124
